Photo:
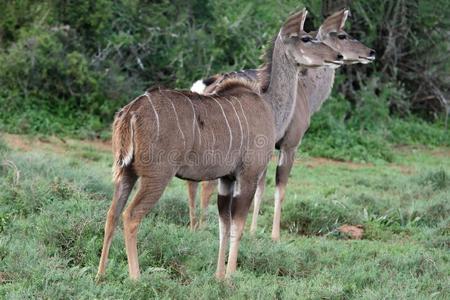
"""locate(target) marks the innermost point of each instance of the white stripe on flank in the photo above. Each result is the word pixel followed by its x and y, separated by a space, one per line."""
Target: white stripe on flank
pixel 156 114
pixel 178 121
pixel 214 139
pixel 194 121
pixel 246 121
pixel 228 125
pixel 240 124
pixel 198 87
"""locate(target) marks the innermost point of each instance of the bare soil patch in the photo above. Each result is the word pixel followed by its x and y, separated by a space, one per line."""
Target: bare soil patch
pixel 55 144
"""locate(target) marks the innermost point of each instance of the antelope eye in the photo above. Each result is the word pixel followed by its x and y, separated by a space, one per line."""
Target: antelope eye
pixel 306 39
pixel 342 36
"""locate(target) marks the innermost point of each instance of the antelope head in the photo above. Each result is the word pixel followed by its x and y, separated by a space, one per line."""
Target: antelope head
pixel 302 48
pixel 332 33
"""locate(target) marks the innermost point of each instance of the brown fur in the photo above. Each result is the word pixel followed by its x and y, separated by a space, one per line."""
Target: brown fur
pixel 154 136
pixel 167 133
pixel 314 87
pixel 265 71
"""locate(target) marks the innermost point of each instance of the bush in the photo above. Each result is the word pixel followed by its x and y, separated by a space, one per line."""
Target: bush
pixel 316 217
pixel 65 68
pixel 338 133
pixel 3 146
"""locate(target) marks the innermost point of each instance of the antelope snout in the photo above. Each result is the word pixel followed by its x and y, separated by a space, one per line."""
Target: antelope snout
pixel 339 57
pixel 372 53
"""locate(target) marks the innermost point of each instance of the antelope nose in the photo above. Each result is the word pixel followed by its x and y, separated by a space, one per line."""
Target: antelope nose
pixel 372 53
pixel 340 57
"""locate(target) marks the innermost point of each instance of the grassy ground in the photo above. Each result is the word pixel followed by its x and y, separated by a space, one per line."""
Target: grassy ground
pixel 54 196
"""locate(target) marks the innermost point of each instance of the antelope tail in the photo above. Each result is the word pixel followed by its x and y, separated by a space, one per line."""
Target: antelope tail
pixel 123 142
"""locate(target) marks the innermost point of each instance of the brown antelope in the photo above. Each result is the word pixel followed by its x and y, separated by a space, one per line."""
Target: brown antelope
pixel 227 136
pixel 314 87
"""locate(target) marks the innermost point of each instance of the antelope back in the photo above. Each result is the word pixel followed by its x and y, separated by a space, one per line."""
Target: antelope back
pixel 211 84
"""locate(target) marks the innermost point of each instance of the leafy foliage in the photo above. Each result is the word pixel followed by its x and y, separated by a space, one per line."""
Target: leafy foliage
pixel 66 67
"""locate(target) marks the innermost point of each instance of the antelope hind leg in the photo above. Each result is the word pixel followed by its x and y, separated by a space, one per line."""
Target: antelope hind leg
pixel 208 188
pixel 150 190
pixel 192 193
pixel 257 201
pixel 122 191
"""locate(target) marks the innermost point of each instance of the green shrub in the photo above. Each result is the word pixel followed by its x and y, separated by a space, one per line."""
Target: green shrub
pixel 3 146
pixel 338 133
pixel 313 217
pixel 439 180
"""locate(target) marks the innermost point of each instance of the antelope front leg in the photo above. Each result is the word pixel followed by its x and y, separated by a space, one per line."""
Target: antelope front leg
pixel 239 211
pixel 257 201
pixel 192 192
pixel 121 192
pixel 150 190
pixel 285 162
pixel 224 206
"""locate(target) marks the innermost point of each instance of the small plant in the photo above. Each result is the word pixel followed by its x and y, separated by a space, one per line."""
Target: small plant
pixel 3 146
pixel 439 179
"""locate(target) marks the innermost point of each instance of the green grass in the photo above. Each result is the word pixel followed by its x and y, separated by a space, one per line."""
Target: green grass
pixel 53 207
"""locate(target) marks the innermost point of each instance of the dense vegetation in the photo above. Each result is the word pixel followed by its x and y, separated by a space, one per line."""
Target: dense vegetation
pixel 53 207
pixel 66 67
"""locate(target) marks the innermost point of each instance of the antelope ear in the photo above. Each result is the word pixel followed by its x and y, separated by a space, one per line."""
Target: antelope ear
pixel 345 15
pixel 295 23
pixel 334 23
pixel 303 19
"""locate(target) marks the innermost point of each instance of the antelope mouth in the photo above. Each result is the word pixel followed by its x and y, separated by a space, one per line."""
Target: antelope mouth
pixel 334 63
pixel 351 61
pixel 366 59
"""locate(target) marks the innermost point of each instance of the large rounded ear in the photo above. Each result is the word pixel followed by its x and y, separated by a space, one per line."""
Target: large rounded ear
pixel 294 24
pixel 334 23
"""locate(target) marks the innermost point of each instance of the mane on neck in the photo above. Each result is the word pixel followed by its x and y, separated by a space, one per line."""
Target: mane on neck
pixel 231 84
pixel 265 71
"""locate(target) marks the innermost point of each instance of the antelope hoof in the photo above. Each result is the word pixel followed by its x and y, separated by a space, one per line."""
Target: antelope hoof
pixel 135 276
pixel 99 278
pixel 220 276
pixel 202 225
pixel 275 237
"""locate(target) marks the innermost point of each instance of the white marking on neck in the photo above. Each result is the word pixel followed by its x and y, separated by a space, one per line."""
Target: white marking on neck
pixel 198 87
pixel 307 59
pixel 240 124
pixel 156 114
pixel 178 121
pixel 228 125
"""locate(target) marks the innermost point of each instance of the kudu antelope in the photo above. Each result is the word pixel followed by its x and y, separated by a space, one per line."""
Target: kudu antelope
pixel 228 136
pixel 314 87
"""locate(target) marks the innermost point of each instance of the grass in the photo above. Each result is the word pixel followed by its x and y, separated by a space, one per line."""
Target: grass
pixel 54 198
